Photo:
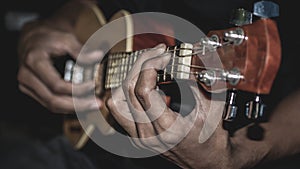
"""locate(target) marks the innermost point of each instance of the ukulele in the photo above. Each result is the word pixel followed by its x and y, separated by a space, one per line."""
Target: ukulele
pixel 250 54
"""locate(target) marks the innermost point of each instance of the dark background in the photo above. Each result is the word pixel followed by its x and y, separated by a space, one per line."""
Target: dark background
pixel 18 109
pixel 21 115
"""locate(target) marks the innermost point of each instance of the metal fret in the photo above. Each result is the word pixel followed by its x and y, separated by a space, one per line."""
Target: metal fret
pixel 119 65
pixel 126 61
pixel 173 62
pixel 77 76
pixel 118 70
pixel 96 77
pixel 108 73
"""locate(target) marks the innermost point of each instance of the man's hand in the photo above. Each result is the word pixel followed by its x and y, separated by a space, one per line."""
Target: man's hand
pixel 41 42
pixel 141 109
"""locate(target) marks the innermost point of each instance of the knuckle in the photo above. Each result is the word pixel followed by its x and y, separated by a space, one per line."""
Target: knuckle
pixel 137 142
pixel 54 106
pixel 149 142
pixel 147 65
pixel 128 85
pixel 30 58
pixel 57 87
pixel 109 103
pixel 145 54
pixel 168 139
pixel 142 92
pixel 68 36
pixel 125 85
pixel 143 133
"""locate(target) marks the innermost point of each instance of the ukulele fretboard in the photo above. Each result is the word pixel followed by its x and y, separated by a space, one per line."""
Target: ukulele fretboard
pixel 120 63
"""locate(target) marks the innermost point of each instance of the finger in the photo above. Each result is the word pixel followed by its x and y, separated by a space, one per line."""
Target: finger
pixel 144 126
pixel 129 83
pixel 169 125
pixel 135 70
pixel 124 117
pixel 118 107
pixel 147 94
pixel 68 44
pixel 72 45
pixel 61 43
pixel 90 57
pixel 83 89
pixel 147 80
pixel 39 63
pixel 56 103
pixel 44 70
pixel 87 104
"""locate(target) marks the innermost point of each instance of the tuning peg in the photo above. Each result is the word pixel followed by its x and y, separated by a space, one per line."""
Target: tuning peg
pixel 208 77
pixel 231 108
pixel 266 9
pixel 255 108
pixel 240 17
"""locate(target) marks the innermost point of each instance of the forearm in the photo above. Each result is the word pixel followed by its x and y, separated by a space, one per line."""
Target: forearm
pixel 281 136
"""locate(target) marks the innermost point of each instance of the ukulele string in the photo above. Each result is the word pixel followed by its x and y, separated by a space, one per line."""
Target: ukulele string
pixel 195 66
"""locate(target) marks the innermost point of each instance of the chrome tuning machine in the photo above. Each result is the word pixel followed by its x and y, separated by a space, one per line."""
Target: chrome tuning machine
pixel 255 108
pixel 240 17
pixel 231 109
pixel 266 9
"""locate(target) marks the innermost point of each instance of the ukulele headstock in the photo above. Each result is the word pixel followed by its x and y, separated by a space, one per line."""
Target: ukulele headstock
pixel 250 56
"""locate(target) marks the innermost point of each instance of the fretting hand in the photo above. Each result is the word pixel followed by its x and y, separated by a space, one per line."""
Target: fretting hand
pixel 141 109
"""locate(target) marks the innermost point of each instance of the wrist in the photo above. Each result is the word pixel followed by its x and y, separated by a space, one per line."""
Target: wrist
pixel 247 153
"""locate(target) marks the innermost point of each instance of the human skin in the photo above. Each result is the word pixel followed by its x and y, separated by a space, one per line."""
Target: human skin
pixel 139 99
pixel 40 42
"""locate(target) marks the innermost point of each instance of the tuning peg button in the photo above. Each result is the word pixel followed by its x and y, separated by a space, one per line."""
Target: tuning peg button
pixel 230 112
pixel 266 9
pixel 255 108
pixel 240 17
pixel 231 108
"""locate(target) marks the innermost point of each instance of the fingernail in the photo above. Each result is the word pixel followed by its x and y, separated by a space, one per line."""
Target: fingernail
pixel 96 105
pixel 161 45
